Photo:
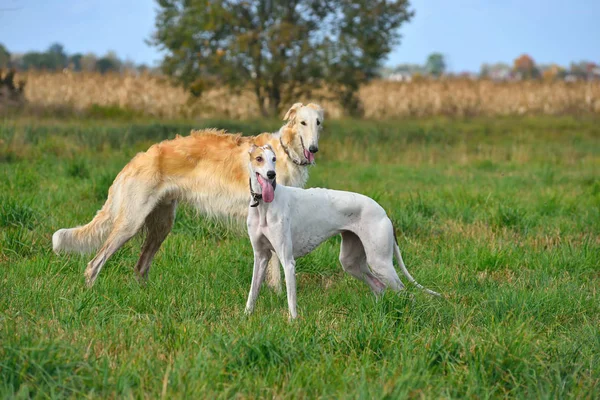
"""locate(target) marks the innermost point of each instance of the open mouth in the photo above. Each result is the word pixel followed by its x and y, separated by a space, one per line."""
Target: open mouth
pixel 266 185
pixel 307 154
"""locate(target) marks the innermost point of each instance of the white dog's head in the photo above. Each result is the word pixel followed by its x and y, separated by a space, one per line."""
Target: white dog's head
pixel 262 168
pixel 306 122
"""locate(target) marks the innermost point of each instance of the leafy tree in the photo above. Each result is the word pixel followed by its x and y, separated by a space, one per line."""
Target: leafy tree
pixel 105 64
pixel 525 66
pixel 436 64
pixel 109 63
pixel 34 60
pixel 88 62
pixel 4 57
pixel 75 61
pixel 143 68
pixel 56 56
pixel 282 49
pixel 552 72
pixel 53 59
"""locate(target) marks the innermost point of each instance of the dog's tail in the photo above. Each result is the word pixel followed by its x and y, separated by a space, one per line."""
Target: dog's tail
pixel 405 271
pixel 89 237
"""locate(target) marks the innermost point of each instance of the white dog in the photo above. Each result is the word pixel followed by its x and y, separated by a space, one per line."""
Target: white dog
pixel 295 221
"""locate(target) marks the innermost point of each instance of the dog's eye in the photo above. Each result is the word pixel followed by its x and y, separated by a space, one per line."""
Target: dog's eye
pixel 259 159
pixel 303 123
pixel 274 159
pixel 318 122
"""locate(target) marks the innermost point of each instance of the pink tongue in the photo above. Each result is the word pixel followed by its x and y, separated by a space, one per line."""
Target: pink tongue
pixel 309 156
pixel 268 193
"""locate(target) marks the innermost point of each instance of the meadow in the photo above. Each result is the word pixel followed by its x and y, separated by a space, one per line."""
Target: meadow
pixel 500 214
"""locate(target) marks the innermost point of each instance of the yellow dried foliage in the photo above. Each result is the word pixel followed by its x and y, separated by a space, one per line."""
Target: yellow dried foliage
pixel 155 96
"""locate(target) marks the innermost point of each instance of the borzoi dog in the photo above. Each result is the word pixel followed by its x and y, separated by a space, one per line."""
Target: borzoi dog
pixel 292 222
pixel 208 169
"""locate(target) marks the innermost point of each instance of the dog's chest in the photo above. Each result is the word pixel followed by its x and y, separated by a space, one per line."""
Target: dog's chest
pixel 261 237
pixel 293 176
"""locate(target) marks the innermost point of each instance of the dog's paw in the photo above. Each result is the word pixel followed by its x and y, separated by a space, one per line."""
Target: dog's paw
pixel 90 277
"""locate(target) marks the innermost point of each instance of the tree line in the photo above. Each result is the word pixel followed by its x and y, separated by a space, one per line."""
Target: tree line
pixel 55 58
pixel 523 67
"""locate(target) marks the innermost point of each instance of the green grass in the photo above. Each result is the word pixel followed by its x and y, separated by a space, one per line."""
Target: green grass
pixel 500 215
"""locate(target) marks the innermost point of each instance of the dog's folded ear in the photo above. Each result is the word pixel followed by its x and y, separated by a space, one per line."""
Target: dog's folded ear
pixel 252 148
pixel 291 114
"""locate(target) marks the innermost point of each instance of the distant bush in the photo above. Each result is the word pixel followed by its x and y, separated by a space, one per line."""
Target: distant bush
pixel 11 92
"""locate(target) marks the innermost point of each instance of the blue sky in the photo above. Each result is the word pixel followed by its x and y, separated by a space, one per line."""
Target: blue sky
pixel 467 32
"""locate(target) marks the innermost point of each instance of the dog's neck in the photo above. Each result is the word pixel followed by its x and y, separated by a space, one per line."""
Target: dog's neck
pixel 255 195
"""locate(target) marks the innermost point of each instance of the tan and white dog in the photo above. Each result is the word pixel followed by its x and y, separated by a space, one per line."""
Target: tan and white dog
pixel 208 169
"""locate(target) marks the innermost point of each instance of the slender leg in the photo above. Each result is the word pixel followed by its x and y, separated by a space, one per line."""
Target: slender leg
pixel 379 249
pixel 289 269
pixel 282 243
pixel 127 224
pixel 114 242
pixel 158 225
pixel 258 273
pixel 354 261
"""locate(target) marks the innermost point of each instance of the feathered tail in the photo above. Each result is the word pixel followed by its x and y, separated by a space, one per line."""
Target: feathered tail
pixel 89 237
pixel 408 275
pixel 86 238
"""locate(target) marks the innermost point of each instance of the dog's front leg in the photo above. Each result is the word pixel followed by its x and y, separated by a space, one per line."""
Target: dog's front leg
pixel 289 269
pixel 284 252
pixel 261 259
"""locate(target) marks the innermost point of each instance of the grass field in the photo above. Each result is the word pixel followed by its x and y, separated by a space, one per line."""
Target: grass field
pixel 501 215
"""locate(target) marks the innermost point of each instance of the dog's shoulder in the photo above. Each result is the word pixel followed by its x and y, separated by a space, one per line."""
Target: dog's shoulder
pixel 263 139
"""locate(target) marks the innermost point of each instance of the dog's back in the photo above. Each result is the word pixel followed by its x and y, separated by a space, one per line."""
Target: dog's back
pixel 316 214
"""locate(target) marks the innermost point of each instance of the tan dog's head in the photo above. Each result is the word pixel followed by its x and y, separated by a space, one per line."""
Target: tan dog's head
pixel 262 168
pixel 306 122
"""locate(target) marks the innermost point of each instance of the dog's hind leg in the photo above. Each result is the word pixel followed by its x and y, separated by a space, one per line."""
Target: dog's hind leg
pixel 379 247
pixel 158 226
pixel 384 268
pixel 274 273
pixel 354 261
pixel 128 222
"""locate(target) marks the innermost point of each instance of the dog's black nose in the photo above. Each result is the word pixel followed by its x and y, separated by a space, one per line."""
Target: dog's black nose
pixel 271 174
pixel 313 149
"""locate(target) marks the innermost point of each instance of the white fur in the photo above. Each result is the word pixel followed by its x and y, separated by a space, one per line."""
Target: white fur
pixel 298 220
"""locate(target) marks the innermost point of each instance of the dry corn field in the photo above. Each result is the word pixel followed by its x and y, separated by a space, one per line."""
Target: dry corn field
pixel 155 96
